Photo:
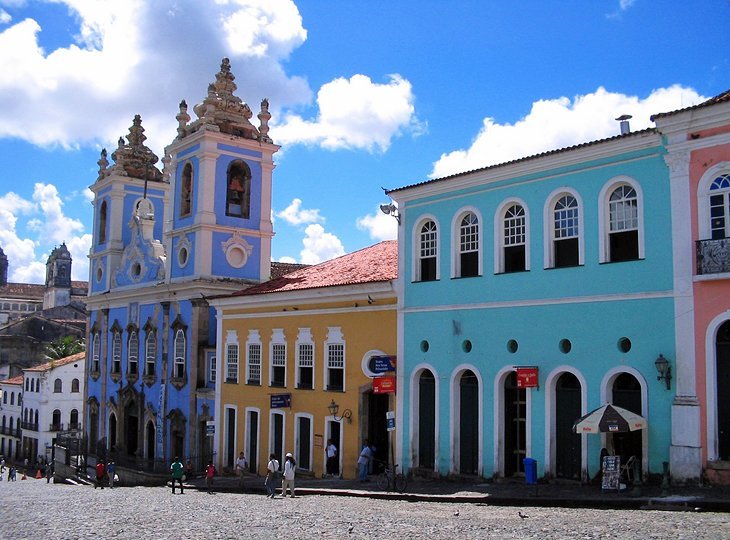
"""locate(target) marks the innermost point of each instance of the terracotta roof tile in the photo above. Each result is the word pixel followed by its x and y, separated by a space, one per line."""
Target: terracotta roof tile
pixel 14 380
pixel 369 265
pixel 279 269
pixel 720 98
pixel 58 363
pixel 526 158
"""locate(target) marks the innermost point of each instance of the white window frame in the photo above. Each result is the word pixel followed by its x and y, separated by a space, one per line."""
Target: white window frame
pixel 232 356
pixel 604 215
pixel 549 225
pixel 499 238
pixel 179 346
pixel 150 353
pixel 253 341
pixel 416 243
pixel 212 359
pixel 456 243
pixel 334 338
pixel 304 339
pixel 704 225
pixel 116 351
pixel 133 352
pixel 278 340
pixel 95 344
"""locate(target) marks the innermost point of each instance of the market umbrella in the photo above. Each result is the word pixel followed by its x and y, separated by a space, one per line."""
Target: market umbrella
pixel 609 419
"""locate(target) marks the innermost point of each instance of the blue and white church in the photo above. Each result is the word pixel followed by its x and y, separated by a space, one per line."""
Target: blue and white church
pixel 164 241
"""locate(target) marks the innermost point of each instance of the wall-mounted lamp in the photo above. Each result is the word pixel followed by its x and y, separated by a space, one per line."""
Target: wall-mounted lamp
pixel 390 210
pixel 334 408
pixel 664 370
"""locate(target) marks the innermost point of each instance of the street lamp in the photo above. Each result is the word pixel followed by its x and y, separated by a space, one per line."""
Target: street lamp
pixel 664 370
pixel 334 408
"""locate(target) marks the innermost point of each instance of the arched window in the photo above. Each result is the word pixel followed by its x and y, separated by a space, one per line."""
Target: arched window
pixel 179 347
pixel 132 352
pixel 56 420
pixel 117 352
pixel 12 398
pixel 565 230
pixel 467 264
pixel 95 353
pixel 57 386
pixel 75 386
pixel 74 419
pixel 102 223
pixel 35 420
pixel 186 190
pixel 720 207
pixel 623 224
pixel 150 352
pixel 27 385
pixel 238 190
pixel 514 239
pixel 427 252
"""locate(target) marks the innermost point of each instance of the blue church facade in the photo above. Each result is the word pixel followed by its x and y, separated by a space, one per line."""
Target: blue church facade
pixel 164 241
pixel 531 293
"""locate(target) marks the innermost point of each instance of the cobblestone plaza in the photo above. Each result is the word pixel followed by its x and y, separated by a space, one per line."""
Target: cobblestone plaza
pixel 34 509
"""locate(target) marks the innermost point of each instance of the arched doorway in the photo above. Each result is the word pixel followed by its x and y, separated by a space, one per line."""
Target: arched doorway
pixel 722 356
pixel 626 392
pixel 426 420
pixel 468 423
pixel 515 426
pixel 131 428
pixel 568 448
pixel 112 431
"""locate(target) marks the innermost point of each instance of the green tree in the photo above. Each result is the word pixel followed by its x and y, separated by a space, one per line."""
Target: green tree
pixel 64 347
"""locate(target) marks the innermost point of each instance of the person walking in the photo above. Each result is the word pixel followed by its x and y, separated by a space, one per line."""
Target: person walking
pixel 331 451
pixel 111 470
pixel 209 474
pixel 177 470
pixel 290 467
pixel 49 473
pixel 272 475
pixel 241 466
pixel 100 474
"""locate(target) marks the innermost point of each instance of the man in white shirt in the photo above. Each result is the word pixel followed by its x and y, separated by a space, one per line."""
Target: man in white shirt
pixel 241 466
pixel 272 475
pixel 289 468
pixel 332 468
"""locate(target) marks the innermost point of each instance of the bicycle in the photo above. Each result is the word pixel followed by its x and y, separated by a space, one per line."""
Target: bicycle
pixel 389 480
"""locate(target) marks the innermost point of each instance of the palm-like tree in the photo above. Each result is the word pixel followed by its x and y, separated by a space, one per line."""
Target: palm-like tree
pixel 64 347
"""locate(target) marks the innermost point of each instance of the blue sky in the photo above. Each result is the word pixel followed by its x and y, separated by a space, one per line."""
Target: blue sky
pixel 363 95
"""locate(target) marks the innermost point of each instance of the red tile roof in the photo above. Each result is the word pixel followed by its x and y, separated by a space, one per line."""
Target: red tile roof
pixel 523 159
pixel 58 363
pixel 279 269
pixel 15 380
pixel 720 98
pixel 369 265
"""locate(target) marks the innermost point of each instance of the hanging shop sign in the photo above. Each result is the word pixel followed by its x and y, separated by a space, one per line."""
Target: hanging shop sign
pixel 384 385
pixel 527 377
pixel 280 401
pixel 382 364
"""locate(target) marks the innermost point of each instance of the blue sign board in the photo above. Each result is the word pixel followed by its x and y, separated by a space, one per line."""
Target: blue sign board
pixel 280 401
pixel 382 364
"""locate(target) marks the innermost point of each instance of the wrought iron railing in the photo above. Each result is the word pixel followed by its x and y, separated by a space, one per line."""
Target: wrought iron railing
pixel 713 256
pixel 31 426
pixel 14 432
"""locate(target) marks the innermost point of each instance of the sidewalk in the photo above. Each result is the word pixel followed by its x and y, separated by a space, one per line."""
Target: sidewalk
pixel 508 493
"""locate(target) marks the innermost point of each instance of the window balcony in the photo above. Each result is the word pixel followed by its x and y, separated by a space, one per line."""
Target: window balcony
pixel 713 256
pixel 31 426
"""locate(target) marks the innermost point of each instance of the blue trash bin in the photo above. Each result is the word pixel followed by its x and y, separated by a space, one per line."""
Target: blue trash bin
pixel 530 471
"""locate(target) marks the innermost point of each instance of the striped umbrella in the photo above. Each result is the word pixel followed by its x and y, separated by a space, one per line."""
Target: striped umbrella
pixel 609 419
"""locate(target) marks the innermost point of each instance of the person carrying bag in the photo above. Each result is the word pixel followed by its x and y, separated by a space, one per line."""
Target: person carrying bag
pixel 272 475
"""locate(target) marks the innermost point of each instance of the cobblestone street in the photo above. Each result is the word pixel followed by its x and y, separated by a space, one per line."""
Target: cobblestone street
pixel 34 509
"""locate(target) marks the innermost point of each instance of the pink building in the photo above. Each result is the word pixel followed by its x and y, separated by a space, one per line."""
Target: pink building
pixel 698 143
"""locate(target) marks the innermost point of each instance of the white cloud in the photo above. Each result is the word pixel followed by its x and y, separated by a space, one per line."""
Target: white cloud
pixel 379 226
pixel 45 218
pixel 5 17
pixel 138 57
pixel 286 259
pixel 320 245
pixel 557 123
pixel 294 214
pixel 355 113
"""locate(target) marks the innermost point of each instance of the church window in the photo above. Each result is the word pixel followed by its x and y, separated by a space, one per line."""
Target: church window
pixel 179 347
pixel 132 352
pixel 186 190
pixel 95 353
pixel 102 223
pixel 238 190
pixel 117 352
pixel 150 353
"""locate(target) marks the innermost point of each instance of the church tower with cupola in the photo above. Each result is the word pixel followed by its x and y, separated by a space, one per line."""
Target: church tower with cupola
pixel 221 188
pixel 58 278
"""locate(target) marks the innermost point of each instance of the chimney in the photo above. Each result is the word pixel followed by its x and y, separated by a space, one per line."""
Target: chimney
pixel 624 124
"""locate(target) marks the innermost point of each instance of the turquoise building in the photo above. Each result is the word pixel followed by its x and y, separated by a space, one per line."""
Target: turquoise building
pixel 532 292
pixel 164 241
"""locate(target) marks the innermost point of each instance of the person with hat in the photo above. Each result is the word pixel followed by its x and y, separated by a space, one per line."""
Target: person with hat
pixel 290 466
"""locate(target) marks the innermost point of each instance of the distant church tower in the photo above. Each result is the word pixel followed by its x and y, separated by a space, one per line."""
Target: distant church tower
pixel 58 278
pixel 3 268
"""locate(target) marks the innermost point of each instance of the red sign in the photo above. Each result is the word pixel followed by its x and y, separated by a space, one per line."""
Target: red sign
pixel 527 377
pixel 384 385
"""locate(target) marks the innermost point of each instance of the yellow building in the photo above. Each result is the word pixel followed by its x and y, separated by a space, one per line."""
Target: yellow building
pixel 297 360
